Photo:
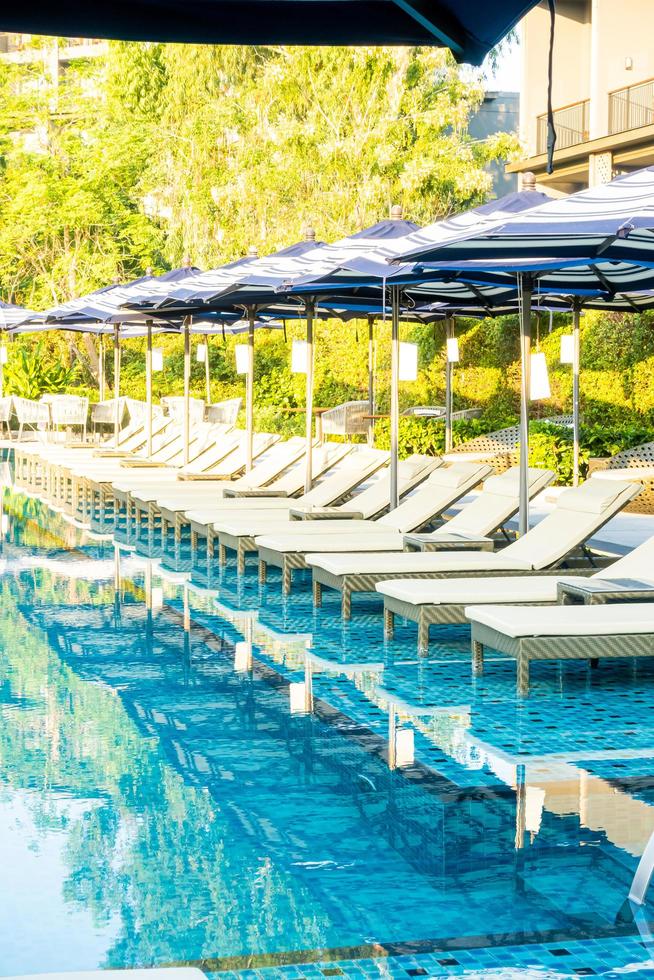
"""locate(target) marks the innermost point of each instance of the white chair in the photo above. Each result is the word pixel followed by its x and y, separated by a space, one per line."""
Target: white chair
pixel 226 411
pixel 68 412
pixel 6 410
pixel 173 405
pixel 348 419
pixel 31 414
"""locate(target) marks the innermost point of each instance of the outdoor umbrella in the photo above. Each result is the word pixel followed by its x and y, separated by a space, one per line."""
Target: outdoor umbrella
pixel 252 285
pixel 198 293
pixel 365 274
pixel 470 28
pixel 596 246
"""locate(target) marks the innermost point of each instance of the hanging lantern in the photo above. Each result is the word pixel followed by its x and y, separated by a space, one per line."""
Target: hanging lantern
pixel 297 691
pixel 242 656
pixel 299 357
pixel 157 599
pixel 4 353
pixel 453 350
pixel 157 359
pixel 539 386
pixel 404 747
pixel 201 353
pixel 408 362
pixel 241 354
pixel 567 348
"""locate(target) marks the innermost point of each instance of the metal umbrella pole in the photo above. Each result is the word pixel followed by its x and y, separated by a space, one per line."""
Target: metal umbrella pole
pixel 148 389
pixel 576 317
pixel 116 382
pixel 187 389
pixel 449 334
pixel 207 370
pixel 371 378
pixel 101 380
pixel 395 393
pixel 308 478
pixel 525 293
pixel 249 392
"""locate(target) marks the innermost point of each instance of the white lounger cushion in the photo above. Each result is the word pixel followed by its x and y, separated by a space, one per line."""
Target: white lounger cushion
pixel 639 563
pixel 348 563
pixel 282 528
pixel 388 541
pixel 599 620
pixel 461 591
pixel 592 497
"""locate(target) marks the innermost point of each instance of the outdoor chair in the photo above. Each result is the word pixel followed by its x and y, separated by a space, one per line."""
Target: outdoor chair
pixel 579 513
pixel 68 412
pixel 588 632
pixel 173 405
pixel 348 419
pixel 349 526
pixel 444 601
pixel 226 411
pixel 31 415
pixel 6 411
pixel 636 463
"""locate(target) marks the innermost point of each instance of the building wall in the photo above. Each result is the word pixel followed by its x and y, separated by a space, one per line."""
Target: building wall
pixel 593 40
pixel 572 47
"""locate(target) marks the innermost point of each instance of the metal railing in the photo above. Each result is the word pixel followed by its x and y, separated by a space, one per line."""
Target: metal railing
pixel 631 107
pixel 571 123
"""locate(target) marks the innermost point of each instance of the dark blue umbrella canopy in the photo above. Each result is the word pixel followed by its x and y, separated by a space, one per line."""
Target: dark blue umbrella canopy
pixel 470 28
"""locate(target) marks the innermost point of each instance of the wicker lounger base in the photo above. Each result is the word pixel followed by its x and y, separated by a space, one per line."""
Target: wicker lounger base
pixel 286 560
pixel 426 615
pixel 348 584
pixel 240 543
pixel 528 648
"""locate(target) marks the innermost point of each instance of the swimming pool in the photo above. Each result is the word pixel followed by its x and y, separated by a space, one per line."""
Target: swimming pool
pixel 172 790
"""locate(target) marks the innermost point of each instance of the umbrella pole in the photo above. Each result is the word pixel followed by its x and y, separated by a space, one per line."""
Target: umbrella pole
pixel 101 368
pixel 576 316
pixel 371 379
pixel 449 333
pixel 207 370
pixel 148 389
pixel 116 382
pixel 187 389
pixel 308 479
pixel 249 393
pixel 525 291
pixel 395 392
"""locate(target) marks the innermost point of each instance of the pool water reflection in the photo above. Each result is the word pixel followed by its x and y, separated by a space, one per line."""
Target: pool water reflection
pixel 192 777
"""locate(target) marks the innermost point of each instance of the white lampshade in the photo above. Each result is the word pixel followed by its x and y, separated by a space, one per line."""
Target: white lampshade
pixel 408 362
pixel 567 348
pixel 157 358
pixel 3 355
pixel 453 350
pixel 201 353
pixel 539 387
pixel 299 357
pixel 241 354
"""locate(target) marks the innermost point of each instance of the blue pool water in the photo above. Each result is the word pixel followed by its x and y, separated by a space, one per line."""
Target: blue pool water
pixel 167 797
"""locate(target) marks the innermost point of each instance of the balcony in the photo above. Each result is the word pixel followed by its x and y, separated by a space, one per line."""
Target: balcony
pixel 631 107
pixel 571 123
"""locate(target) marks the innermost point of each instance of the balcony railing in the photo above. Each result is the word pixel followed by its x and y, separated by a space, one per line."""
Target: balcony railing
pixel 631 107
pixel 571 124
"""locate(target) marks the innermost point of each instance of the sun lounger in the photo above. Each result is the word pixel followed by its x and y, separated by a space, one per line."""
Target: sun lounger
pixel 580 512
pixel 561 633
pixel 240 535
pixel 444 601
pixel 484 515
pixel 287 545
pixel 343 468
